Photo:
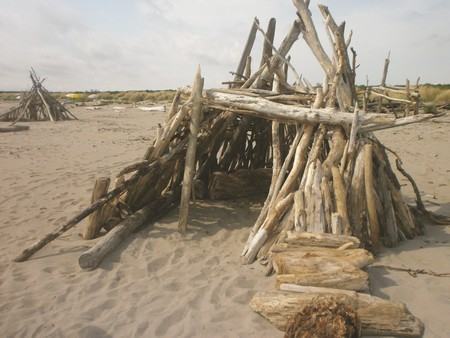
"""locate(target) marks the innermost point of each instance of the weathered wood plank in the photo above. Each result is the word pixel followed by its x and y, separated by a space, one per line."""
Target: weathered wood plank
pixel 378 316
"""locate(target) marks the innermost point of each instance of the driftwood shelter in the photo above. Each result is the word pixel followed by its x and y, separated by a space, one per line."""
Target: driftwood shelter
pixel 37 105
pixel 332 193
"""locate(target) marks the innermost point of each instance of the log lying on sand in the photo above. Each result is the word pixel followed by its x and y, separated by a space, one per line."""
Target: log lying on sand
pixel 323 268
pixel 13 128
pixel 378 316
pixel 95 255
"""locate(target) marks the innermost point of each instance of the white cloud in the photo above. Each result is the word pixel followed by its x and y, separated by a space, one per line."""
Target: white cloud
pixel 155 44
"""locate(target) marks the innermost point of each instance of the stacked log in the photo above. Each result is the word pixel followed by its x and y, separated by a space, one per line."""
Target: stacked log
pixel 37 105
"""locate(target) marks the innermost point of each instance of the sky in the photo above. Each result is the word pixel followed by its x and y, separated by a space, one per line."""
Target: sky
pixel 88 45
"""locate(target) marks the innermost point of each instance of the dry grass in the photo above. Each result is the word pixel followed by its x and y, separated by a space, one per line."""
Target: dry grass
pixel 435 94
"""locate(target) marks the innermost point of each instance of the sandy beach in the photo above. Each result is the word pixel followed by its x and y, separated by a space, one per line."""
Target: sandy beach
pixel 160 283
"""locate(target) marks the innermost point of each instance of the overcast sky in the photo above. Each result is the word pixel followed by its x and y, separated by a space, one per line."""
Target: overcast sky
pixel 157 44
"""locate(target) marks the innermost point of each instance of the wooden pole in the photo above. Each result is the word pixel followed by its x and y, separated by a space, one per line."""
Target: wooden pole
pixel 247 50
pixel 95 220
pixel 190 152
pixel 268 43
pixel 370 197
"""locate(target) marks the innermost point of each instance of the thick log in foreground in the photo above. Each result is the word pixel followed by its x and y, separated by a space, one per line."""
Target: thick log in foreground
pixel 379 317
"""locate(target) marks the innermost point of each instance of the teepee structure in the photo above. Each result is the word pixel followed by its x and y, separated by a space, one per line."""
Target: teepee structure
pixel 37 105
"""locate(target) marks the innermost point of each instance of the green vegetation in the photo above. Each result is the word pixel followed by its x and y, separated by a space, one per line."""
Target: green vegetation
pixel 153 96
pixel 429 93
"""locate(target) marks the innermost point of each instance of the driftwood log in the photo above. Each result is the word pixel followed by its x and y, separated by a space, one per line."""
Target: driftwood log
pixel 378 316
pixel 95 255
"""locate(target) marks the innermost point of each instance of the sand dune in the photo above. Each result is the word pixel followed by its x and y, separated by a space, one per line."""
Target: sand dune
pixel 159 283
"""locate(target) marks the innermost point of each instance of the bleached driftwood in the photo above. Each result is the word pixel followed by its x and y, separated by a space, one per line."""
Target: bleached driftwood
pixel 378 316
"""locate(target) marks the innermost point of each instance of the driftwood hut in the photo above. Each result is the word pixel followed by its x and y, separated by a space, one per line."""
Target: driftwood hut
pixel 332 195
pixel 311 150
pixel 37 105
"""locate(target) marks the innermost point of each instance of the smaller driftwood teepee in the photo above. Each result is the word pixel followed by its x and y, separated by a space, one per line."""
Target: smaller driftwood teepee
pixel 37 105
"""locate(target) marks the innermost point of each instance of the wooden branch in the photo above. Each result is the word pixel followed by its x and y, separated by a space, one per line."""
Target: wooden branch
pixel 260 107
pixel 371 207
pixel 312 39
pixel 398 122
pixel 189 167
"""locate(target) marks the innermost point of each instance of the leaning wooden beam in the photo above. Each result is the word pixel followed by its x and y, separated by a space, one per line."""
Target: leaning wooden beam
pixel 95 255
pixel 378 316
pixel 312 39
pixel 189 167
pixel 280 56
pixel 370 197
pixel 96 219
pixel 247 50
pixel 260 107
pixel 268 41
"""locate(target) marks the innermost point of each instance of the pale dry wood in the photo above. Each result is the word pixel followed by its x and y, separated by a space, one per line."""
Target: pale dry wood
pixel 378 316
pixel 280 55
pixel 357 201
pixel 315 289
pixel 273 217
pixel 307 259
pixel 189 167
pixel 36 246
pixel 321 240
pixel 370 198
pixel 313 200
pixel 260 107
pixel 390 236
pixel 247 50
pixel 340 197
pixel 327 275
pixel 97 218
pixel 312 39
pixel 403 121
pixel 268 41
pixel 95 255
